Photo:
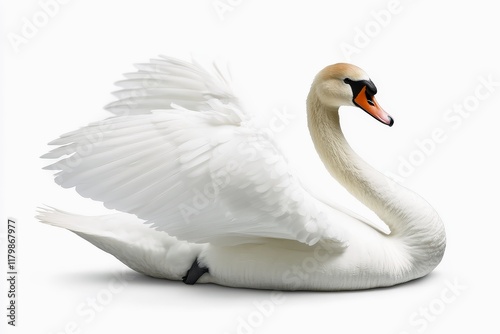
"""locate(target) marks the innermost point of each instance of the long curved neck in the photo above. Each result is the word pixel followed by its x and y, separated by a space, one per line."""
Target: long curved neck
pixel 411 219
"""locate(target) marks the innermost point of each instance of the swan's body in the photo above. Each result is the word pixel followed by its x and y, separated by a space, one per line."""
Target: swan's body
pixel 183 158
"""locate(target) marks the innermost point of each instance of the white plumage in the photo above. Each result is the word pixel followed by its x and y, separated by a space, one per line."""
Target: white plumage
pixel 197 181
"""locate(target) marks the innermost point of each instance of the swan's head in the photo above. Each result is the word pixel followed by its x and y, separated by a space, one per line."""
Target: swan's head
pixel 348 85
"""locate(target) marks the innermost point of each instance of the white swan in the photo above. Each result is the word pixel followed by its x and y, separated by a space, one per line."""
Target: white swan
pixel 180 156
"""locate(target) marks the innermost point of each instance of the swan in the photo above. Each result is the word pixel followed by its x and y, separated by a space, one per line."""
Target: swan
pixel 205 196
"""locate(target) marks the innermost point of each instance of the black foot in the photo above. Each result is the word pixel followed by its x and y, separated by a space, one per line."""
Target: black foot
pixel 194 273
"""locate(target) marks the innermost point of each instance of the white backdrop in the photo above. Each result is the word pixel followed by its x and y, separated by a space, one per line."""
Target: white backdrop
pixel 436 69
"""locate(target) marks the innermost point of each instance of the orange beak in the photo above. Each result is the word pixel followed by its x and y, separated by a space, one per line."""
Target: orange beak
pixel 370 105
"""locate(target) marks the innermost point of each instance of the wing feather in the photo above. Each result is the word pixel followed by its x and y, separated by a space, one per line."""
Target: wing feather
pixel 208 183
pixel 181 155
pixel 166 81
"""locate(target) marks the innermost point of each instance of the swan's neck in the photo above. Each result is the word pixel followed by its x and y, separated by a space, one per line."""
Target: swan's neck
pixel 412 221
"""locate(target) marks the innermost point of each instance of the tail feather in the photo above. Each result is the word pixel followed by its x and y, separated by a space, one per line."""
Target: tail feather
pixel 126 237
pixel 91 225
